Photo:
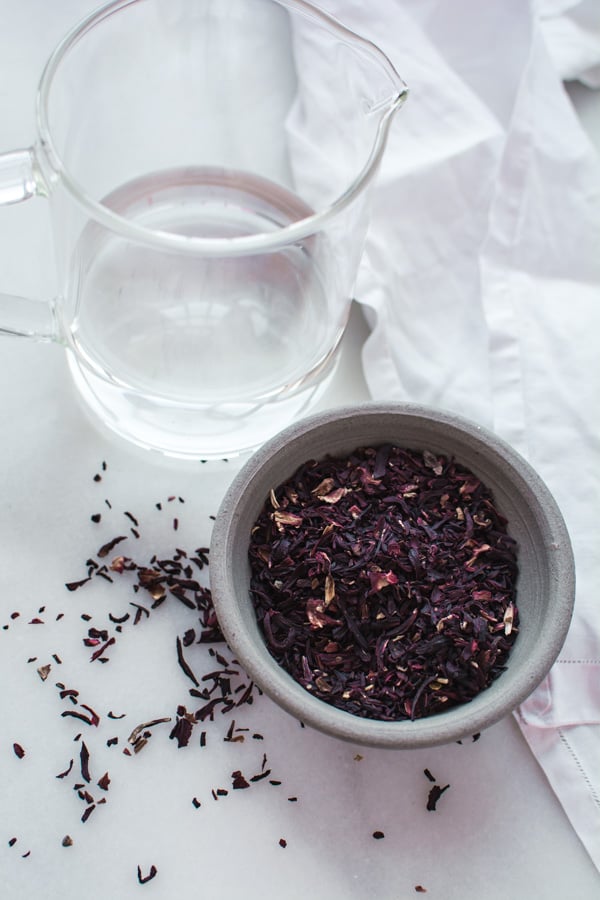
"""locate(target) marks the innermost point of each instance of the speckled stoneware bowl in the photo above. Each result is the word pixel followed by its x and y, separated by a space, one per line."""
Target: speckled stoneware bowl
pixel 545 587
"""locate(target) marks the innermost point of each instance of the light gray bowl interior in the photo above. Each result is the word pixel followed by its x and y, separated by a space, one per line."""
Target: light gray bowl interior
pixel 545 589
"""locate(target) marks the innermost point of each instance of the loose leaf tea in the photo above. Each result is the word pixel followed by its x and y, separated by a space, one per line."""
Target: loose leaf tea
pixel 144 879
pixel 434 795
pixel 84 756
pixel 218 682
pixel 384 582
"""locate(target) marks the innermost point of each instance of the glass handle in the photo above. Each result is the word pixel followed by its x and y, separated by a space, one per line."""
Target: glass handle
pixel 19 176
pixel 20 179
pixel 21 317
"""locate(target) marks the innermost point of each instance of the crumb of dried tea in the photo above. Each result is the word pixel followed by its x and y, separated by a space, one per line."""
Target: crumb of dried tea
pixel 84 758
pixel 144 879
pixel 103 782
pixel 184 725
pixel 434 795
pixel 87 812
pixel 238 782
pixel 67 770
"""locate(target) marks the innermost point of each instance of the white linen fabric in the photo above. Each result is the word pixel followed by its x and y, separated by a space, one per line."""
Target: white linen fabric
pixel 481 283
pixel 571 30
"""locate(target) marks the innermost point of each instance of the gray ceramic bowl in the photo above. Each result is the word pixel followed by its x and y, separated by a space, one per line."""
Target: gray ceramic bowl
pixel 545 589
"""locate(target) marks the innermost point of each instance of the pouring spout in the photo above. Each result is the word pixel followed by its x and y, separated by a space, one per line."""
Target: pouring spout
pixel 390 104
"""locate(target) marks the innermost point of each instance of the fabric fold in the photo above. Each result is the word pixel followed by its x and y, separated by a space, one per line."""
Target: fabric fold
pixel 481 283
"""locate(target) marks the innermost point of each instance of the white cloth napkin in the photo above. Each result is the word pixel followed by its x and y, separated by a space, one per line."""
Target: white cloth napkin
pixel 481 282
pixel 571 30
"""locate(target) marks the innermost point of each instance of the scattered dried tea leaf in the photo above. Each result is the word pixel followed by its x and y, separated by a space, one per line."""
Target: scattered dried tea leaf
pixel 103 782
pixel 184 725
pixel 74 585
pixel 88 811
pixel 19 751
pixel 98 654
pixel 77 715
pixel 67 770
pixel 141 734
pixel 434 795
pixel 84 757
pixel 184 666
pixel 94 717
pixel 144 879
pixel 110 545
pixel 238 781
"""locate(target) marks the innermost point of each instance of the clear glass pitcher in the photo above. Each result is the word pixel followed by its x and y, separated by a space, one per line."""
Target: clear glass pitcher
pixel 206 165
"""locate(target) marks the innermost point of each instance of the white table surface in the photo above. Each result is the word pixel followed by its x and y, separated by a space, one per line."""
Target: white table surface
pixel 498 832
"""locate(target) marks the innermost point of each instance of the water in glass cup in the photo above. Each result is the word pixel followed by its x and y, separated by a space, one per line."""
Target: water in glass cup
pixel 200 355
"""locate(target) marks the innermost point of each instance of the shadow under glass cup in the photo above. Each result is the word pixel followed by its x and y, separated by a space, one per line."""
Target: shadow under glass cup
pixel 209 207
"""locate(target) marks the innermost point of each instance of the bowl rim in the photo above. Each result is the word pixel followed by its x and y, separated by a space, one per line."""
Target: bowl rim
pixel 460 721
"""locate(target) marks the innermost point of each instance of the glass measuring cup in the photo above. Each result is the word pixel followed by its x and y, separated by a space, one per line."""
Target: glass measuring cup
pixel 209 204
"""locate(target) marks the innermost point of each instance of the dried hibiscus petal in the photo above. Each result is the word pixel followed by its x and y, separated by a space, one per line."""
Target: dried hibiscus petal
pixel 434 795
pixel 384 582
pixel 106 548
pixel 144 879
